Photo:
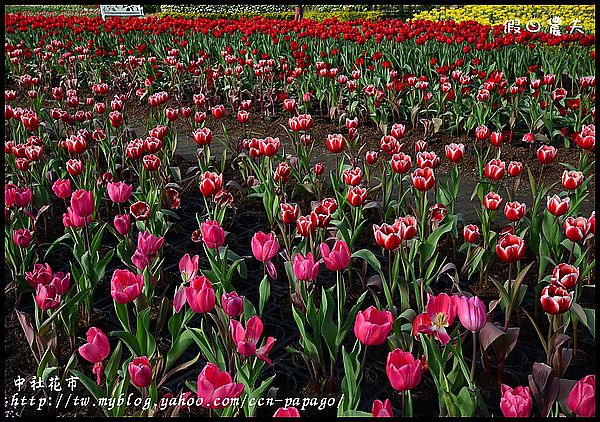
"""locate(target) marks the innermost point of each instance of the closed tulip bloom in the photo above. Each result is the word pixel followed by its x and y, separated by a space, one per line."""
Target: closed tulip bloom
pixel 243 116
pixel 557 206
pixel 188 266
pixel 71 219
pixel 582 398
pixel 471 233
pixel 210 183
pixel 218 111
pixel 140 372
pixel 202 136
pixel 529 138
pixel 126 286
pixel 382 410
pixel 510 248
pixel 119 192
pixel 21 238
pixel 592 222
pixel 305 226
pixel 305 268
pixel 289 212
pixel 455 152
pixel 572 179
pixel 565 276
pixel 471 312
pixel 428 159
pixel 122 223
pixel 289 104
pixel 492 201
pixel 372 326
pixel 386 236
pixel 232 303
pixel 403 370
pixel 546 154
pixel 514 168
pixel 353 177
pixel 423 179
pixel 337 258
pixel 95 350
pixel 515 403
pixel 46 297
pixel 400 163
pixel 335 143
pixel 82 203
pixel 514 211
pixel 494 170
pixel 398 131
pixel 371 157
pixel 247 340
pixel 496 139
pixel 62 188
pixel 269 146
pixel 215 385
pixel 555 300
pixel 482 132
pixel 576 229
pixel 61 282
pixel 22 197
pixel 406 227
pixel 213 234
pixel 264 246
pixel 200 295
pixel 149 244
pixel 287 412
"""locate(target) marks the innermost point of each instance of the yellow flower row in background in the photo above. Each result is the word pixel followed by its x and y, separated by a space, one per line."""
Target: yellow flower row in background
pixel 500 14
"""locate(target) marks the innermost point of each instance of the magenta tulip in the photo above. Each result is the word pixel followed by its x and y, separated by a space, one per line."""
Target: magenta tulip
pixel 214 386
pixel 140 372
pixel 200 295
pixel 337 258
pixel 372 326
pixel 403 370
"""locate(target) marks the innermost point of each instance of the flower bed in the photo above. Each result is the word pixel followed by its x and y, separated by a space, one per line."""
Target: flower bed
pixel 351 217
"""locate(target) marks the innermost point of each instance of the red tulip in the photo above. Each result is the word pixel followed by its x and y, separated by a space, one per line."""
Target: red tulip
pixel 423 179
pixel 482 132
pixel 514 168
pixel 492 201
pixel 337 258
pixel 471 233
pixel 218 111
pixel 576 229
pixel 400 163
pixel 565 276
pixel 287 412
pixel 243 116
pixel 582 398
pixel 455 152
pixel 74 167
pixel 213 234
pixel 592 222
pixel 215 386
pixel 71 219
pixel 305 226
pixel 390 145
pixel 140 372
pixel 382 410
pixel 510 248
pixel 496 139
pixel 247 339
pixel 471 312
pixel 200 295
pixel 555 300
pixel 546 154
pixel 514 211
pixel 428 159
pixel 406 227
pixel 403 370
pixel 571 180
pixel 140 210
pixel 202 136
pixel 41 274
pixel 126 286
pixel 441 310
pixel 305 268
pixel 357 196
pixel 62 188
pixel 398 131
pixel 494 170
pixel 529 138
pixel 210 183
pixel 372 326
pixel 22 197
pixel 232 303
pixel 335 143
pixel 289 212
pixel 515 403
pixel 371 157
pixel 151 162
pixel 353 177
pixel 82 203
pixel 115 118
pixel 386 236
pixel 289 105
pixel 437 212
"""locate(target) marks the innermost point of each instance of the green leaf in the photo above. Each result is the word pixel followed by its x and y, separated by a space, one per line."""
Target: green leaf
pixel 368 256
pixel 586 316
pixel 130 341
pixel 264 291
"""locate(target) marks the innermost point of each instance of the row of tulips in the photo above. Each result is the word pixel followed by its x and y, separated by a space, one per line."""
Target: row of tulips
pixel 111 184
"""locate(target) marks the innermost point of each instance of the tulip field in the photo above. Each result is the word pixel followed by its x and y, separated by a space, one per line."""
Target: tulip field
pixel 265 217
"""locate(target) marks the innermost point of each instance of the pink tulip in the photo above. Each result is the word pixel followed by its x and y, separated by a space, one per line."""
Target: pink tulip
pixel 213 234
pixel 264 246
pixel 287 412
pixel 122 224
pixel 46 297
pixel 41 274
pixel 246 340
pixel 515 403
pixel 179 299
pixel 149 244
pixel 403 370
pixel 582 399
pixel 125 286
pixel 305 268
pixel 82 203
pixel 382 410
pixel 372 326
pixel 73 220
pixel 61 282
pixel 62 188
pixel 338 258
pixel 22 238
pixel 188 267
pixel 215 385
pixel 200 295
pixel 140 372
pixel 95 350
pixel 471 312
pixel 119 192
pixel 232 304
